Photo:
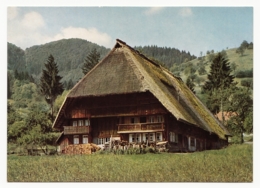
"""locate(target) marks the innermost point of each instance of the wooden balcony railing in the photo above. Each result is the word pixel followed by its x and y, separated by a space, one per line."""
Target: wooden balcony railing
pixel 75 130
pixel 140 127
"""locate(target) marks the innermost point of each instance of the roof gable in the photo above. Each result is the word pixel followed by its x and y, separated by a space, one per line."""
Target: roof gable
pixel 115 74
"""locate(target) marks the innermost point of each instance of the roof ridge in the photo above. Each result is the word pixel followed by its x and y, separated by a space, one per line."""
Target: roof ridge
pixel 138 52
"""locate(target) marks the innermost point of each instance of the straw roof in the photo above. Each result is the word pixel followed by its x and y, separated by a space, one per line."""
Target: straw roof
pixel 125 70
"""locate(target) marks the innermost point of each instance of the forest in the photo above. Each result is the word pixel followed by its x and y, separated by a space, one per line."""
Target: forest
pixel 30 115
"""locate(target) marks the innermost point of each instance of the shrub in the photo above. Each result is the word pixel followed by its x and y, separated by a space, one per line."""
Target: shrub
pixel 245 74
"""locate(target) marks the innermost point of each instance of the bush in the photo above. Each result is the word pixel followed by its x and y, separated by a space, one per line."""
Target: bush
pixel 245 74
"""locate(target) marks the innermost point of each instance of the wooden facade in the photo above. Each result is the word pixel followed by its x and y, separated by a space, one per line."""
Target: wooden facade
pixel 127 96
pixel 135 118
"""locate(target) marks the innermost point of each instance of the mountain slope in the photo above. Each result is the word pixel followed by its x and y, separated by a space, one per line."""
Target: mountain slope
pixel 69 55
pixel 15 57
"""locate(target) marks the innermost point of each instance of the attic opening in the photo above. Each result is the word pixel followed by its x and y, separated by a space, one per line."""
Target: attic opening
pixel 118 45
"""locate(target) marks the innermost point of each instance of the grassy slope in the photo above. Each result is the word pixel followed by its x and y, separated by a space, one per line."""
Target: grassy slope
pixel 243 63
pixel 233 164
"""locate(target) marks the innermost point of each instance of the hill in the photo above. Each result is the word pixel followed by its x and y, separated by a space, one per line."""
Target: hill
pixel 15 58
pixel 69 55
pixel 238 63
pixel 165 55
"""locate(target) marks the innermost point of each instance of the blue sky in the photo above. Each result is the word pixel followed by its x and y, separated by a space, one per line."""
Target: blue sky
pixel 193 29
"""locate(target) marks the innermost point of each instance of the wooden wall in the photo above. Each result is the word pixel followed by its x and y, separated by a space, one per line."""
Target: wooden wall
pixel 116 105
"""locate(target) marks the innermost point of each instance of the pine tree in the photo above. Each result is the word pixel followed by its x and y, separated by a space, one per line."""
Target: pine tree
pixel 190 84
pixel 219 80
pixel 69 84
pixel 91 60
pixel 220 74
pixel 50 84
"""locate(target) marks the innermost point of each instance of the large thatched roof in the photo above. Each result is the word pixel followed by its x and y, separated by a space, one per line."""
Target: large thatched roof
pixel 125 70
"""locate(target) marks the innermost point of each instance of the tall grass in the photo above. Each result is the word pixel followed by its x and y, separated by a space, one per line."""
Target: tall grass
pixel 233 164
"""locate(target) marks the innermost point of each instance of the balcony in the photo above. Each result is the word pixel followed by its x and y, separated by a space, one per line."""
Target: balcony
pixel 75 130
pixel 140 127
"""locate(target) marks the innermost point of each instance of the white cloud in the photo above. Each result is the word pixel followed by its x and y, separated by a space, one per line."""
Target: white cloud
pixel 185 12
pixel 153 10
pixel 90 34
pixel 30 30
pixel 33 21
pixel 25 31
pixel 12 12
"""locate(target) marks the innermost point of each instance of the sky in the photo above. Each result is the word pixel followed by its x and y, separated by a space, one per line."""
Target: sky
pixel 189 28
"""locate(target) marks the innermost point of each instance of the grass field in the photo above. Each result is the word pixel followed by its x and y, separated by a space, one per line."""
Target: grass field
pixel 233 164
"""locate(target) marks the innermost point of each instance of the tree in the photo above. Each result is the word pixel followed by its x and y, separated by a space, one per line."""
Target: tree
pixel 250 46
pixel 244 44
pixel 51 85
pixel 241 105
pixel 211 57
pixel 70 85
pixel 219 80
pixel 248 83
pixel 202 70
pixel 36 129
pixel 91 60
pixel 240 50
pixel 224 53
pixel 220 74
pixel 10 82
pixel 234 67
pixel 198 80
pixel 190 84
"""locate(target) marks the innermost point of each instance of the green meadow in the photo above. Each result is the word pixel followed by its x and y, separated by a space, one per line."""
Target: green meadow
pixel 232 164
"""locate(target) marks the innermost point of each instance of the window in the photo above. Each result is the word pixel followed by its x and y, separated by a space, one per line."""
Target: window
pixel 102 140
pixel 159 136
pixel 74 123
pixel 138 137
pixel 87 122
pixel 80 122
pixel 151 137
pixel 134 137
pixel 85 139
pixel 173 137
pixel 134 120
pixel 76 139
pixel 107 139
pixel 145 137
pixel 192 141
pixel 142 119
pixel 159 118
pixel 151 119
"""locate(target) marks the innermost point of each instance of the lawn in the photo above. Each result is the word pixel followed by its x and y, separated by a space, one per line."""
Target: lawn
pixel 232 164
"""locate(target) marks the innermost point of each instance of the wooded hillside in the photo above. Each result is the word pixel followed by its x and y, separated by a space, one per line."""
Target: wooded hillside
pixel 69 55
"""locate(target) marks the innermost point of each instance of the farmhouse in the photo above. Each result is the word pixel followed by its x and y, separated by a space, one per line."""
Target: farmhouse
pixel 128 96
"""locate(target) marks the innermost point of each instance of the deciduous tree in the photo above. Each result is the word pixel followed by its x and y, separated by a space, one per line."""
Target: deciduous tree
pixel 241 105
pixel 240 50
